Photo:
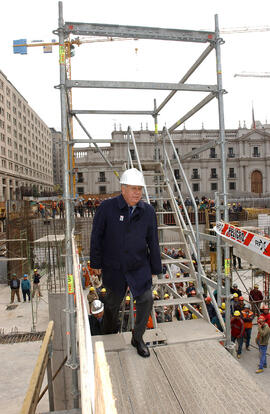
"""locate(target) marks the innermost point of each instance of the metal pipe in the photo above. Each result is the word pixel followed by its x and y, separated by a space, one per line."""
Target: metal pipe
pixel 224 176
pixel 218 253
pixel 69 262
pixel 187 75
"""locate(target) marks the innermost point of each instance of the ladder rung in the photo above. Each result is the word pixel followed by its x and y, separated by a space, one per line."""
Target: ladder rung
pixel 177 301
pixel 172 261
pixel 164 212
pixel 176 243
pixel 156 185
pixel 168 227
pixel 173 280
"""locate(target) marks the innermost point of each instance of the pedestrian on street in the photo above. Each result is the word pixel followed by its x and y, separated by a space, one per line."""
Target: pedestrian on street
pixel 15 288
pixel 262 341
pixel 124 246
pixel 36 283
pixel 26 287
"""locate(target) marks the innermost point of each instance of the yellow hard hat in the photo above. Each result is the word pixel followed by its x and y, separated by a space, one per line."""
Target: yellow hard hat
pixel 92 289
pixel 103 290
pixel 220 310
pixel 127 297
pixel 223 305
pixel 236 313
pixel 155 292
pixel 35 270
pixel 134 301
pixel 185 309
pixel 256 286
pixel 178 274
pixel 235 295
pixel 166 296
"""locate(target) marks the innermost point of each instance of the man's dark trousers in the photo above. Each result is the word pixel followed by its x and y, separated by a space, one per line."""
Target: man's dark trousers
pixel 144 304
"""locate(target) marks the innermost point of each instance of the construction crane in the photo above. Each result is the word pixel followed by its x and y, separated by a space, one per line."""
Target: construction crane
pixel 253 75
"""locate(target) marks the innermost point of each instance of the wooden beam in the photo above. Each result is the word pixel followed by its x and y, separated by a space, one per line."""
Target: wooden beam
pixel 104 400
pixel 32 395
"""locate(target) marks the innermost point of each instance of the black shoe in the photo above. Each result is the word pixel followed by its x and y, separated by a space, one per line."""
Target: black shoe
pixel 142 348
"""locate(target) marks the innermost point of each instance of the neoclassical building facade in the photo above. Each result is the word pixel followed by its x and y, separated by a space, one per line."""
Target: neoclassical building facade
pixel 247 159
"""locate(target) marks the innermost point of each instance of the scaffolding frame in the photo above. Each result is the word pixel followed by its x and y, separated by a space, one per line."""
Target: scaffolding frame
pixel 213 41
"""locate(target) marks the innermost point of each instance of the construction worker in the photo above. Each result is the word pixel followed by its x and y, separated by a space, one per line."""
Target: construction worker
pixel 15 288
pixel 102 295
pixel 168 310
pixel 241 303
pixel 234 303
pixel 262 341
pixel 247 316
pixel 266 314
pixel 187 314
pixel 234 289
pixel 124 245
pixel 36 283
pixel 210 308
pixel 256 298
pixel 92 295
pixel 96 317
pixel 215 321
pixel 189 289
pixel 26 287
pixel 237 331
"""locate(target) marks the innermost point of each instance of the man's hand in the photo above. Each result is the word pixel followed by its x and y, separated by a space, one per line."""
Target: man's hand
pixel 97 272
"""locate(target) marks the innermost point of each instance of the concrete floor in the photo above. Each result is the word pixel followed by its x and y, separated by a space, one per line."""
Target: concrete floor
pixel 18 360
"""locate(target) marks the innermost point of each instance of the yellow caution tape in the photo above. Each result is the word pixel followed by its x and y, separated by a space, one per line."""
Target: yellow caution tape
pixel 70 281
pixel 116 173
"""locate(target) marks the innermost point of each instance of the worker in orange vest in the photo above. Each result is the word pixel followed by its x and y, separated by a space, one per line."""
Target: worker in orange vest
pixel 247 316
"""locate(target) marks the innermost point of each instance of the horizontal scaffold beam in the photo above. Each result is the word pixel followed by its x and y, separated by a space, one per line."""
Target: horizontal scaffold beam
pixel 109 112
pixel 139 85
pixel 138 32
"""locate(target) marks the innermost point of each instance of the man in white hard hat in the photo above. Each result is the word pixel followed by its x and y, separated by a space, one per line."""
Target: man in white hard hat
pixel 96 317
pixel 124 246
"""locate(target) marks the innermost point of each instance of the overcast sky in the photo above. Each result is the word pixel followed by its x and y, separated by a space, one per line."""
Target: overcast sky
pixel 36 74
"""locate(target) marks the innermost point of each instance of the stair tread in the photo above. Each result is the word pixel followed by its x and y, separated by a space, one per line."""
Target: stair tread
pixel 177 301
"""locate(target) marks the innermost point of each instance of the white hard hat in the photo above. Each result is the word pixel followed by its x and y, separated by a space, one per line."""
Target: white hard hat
pixel 132 177
pixel 96 307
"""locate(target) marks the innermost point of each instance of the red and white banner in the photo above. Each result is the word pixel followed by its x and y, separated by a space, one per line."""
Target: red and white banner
pixel 254 242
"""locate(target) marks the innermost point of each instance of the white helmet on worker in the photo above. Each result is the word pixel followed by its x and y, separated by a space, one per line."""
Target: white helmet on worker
pixel 96 307
pixel 132 177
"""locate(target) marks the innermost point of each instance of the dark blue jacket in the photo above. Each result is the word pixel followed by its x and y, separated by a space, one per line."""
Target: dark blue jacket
pixel 125 248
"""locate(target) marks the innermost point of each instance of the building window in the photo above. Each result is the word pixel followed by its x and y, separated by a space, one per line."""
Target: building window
pixel 102 189
pixel 80 190
pixel 196 155
pixel 80 177
pixel 213 153
pixel 177 174
pixel 102 177
pixel 174 156
pixel 232 186
pixel 214 186
pixel 195 174
pixel 230 152
pixel 232 173
pixel 132 154
pixel 256 152
pixel 195 187
pixel 213 173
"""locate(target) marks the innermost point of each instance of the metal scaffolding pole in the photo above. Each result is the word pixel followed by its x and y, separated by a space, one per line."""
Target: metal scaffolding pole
pixel 220 93
pixel 71 328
